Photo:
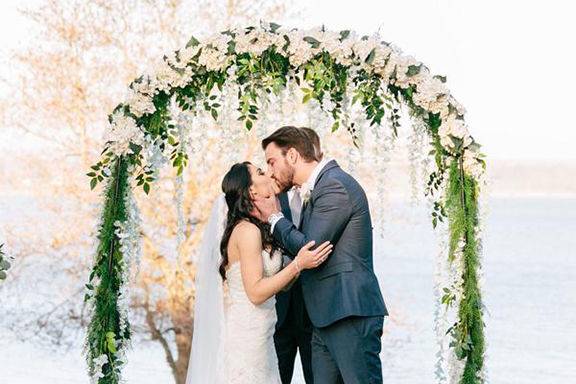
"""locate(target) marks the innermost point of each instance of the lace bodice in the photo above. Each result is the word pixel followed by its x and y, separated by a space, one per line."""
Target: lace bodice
pixel 236 291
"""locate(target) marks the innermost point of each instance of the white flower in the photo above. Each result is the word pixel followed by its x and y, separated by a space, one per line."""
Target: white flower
pixel 459 107
pixel 122 132
pixel 456 128
pixel 472 165
pixel 362 48
pixel 140 104
pixel 402 66
pixel 145 87
pixel 381 55
pixel 214 54
pixel 257 41
pixel 300 50
pixel 387 70
pixel 431 93
pixel 98 363
pixel 341 51
pixel 187 54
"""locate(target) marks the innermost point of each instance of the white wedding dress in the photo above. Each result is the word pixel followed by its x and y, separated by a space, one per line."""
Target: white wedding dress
pixel 233 340
pixel 250 352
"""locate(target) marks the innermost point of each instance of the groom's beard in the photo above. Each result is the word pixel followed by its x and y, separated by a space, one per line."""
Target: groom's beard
pixel 286 180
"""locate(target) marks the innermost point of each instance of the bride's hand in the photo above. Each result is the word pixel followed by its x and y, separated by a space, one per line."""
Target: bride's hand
pixel 307 259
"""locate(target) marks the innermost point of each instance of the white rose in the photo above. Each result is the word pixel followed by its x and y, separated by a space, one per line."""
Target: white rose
pixel 471 165
pixel 456 128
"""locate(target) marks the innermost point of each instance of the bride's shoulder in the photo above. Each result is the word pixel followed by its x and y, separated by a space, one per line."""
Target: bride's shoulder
pixel 246 229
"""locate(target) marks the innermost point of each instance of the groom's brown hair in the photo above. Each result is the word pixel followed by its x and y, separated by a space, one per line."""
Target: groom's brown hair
pixel 288 137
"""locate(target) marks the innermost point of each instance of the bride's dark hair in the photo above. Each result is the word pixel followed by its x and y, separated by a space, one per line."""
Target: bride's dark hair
pixel 236 187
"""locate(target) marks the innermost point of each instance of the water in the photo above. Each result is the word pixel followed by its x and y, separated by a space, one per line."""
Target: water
pixel 529 290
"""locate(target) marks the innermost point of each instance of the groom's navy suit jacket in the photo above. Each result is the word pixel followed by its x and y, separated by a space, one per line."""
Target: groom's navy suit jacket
pixel 345 284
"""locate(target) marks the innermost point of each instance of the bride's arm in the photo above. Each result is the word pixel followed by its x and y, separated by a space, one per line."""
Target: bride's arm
pixel 260 288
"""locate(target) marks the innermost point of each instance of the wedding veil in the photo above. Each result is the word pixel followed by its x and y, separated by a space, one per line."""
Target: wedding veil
pixel 207 353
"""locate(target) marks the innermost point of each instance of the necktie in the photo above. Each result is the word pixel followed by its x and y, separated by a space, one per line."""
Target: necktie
pixel 296 206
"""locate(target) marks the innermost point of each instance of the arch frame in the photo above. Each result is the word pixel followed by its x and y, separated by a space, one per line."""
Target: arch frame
pixel 332 67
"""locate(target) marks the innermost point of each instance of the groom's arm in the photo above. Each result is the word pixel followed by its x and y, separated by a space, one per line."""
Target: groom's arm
pixel 330 214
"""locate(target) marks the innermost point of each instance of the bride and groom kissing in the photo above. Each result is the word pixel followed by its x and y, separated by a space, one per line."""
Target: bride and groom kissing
pixel 296 262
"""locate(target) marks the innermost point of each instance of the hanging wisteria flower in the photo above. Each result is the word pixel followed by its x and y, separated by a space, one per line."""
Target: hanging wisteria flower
pixel 98 364
pixel 121 133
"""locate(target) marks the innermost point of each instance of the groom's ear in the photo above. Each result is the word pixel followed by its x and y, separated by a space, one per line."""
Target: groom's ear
pixel 292 155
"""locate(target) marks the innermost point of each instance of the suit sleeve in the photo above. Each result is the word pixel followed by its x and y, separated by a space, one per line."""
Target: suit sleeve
pixel 331 211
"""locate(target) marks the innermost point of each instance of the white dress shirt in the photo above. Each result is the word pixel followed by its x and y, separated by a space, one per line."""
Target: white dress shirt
pixel 309 184
pixel 295 202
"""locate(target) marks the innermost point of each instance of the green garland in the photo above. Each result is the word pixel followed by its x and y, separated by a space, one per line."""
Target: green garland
pixel 104 336
pixel 467 333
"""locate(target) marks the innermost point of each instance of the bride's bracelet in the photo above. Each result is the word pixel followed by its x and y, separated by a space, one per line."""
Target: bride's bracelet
pixel 297 265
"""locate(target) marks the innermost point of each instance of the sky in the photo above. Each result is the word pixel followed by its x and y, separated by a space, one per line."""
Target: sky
pixel 509 62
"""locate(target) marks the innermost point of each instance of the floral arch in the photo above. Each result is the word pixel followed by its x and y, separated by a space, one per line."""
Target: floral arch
pixel 341 71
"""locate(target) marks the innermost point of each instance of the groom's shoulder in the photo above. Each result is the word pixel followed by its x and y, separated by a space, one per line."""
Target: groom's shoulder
pixel 335 174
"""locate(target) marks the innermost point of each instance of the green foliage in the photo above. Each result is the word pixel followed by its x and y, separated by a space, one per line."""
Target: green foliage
pixel 103 336
pixel 462 207
pixel 324 77
pixel 258 75
pixel 368 91
pixel 4 263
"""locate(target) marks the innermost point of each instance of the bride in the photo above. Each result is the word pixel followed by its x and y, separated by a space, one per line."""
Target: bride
pixel 235 315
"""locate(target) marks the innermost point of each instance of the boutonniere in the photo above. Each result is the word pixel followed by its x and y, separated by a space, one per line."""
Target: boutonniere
pixel 305 193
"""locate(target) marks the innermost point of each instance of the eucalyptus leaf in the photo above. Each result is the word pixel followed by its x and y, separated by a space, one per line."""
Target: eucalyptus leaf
pixel 441 78
pixel 371 56
pixel 274 27
pixel 192 42
pixel 312 41
pixel 413 70
pixel 344 35
pixel 5 265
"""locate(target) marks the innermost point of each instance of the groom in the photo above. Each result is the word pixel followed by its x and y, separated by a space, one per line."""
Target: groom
pixel 342 296
pixel 293 329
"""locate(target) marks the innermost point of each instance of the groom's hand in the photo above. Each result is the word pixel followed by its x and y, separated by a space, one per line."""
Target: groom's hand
pixel 266 206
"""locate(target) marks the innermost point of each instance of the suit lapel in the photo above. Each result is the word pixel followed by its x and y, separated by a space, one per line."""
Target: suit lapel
pixel 306 206
pixel 285 205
